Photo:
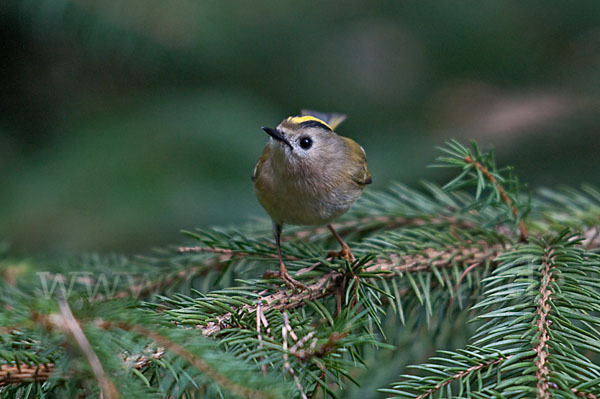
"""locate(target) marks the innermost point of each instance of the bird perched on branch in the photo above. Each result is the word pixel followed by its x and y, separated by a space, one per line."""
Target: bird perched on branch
pixel 308 175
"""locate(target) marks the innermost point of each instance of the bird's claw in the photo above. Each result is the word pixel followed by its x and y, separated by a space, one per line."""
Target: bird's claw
pixel 288 280
pixel 345 253
pixel 291 282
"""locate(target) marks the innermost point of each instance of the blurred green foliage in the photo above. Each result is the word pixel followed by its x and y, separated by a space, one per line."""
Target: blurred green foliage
pixel 124 121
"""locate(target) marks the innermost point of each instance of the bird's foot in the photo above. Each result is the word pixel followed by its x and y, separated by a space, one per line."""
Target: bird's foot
pixel 291 282
pixel 288 280
pixel 345 253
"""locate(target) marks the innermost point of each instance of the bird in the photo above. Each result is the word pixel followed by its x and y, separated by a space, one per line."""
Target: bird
pixel 309 175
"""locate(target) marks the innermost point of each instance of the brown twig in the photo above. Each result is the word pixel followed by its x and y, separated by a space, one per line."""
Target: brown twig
pixel 24 373
pixel 68 323
pixel 460 375
pixel 464 274
pixel 543 325
pixel 229 253
pixel 502 192
pixel 224 251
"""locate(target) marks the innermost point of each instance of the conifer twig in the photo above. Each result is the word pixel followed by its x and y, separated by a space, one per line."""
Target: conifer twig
pixel 22 373
pixel 330 283
pixel 229 253
pixel 503 194
pixel 386 222
pixel 223 251
pixel 543 309
pixel 460 375
pixel 182 352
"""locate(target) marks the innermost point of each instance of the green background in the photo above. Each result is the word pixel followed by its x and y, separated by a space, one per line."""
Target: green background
pixel 122 122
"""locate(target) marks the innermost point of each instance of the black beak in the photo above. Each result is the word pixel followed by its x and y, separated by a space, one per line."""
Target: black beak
pixel 277 135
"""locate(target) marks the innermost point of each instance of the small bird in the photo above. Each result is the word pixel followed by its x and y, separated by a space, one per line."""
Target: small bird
pixel 308 175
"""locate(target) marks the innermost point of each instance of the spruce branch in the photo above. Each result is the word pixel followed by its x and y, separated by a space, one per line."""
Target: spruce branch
pixel 479 169
pixel 502 192
pixel 285 329
pixel 542 303
pixel 330 283
pixel 182 352
pixel 543 325
pixel 167 342
pixel 465 374
pixel 579 210
pixel 368 224
pixel 536 325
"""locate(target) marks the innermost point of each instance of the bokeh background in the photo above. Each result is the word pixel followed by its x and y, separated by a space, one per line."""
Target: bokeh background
pixel 124 121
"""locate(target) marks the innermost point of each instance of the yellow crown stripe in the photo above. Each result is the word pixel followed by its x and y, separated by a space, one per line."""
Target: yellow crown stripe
pixel 296 120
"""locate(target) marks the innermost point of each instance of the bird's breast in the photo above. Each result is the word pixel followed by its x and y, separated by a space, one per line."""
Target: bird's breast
pixel 296 197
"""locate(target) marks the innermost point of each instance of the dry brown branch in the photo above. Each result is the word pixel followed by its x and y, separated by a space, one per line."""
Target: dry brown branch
pixel 502 192
pixel 330 283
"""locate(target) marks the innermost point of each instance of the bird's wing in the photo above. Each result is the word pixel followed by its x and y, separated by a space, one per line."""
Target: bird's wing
pixel 360 170
pixel 332 119
pixel 259 163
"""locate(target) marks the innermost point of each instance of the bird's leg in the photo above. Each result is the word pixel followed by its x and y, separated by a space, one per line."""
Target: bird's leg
pixel 283 272
pixel 345 251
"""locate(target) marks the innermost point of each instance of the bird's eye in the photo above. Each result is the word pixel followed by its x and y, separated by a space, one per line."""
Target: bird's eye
pixel 305 143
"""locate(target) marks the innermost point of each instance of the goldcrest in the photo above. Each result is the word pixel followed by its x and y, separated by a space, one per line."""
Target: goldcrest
pixel 309 175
